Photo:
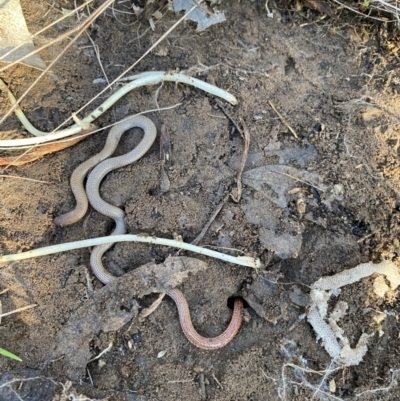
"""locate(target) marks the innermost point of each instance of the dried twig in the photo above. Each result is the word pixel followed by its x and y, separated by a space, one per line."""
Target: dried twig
pixel 283 121
pixel 245 134
pixel 237 194
pixel 207 226
pixel 363 15
pixel 218 382
pixel 97 52
pixel 298 179
pixel 220 105
pixel 108 348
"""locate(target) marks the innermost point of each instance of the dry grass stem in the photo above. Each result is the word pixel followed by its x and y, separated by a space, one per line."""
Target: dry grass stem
pixel 217 381
pixel 18 310
pixel 283 121
pixel 82 28
pixel 91 382
pixel 220 105
pixel 97 51
pixel 23 178
pixel 101 353
pixel 297 179
pixel 56 40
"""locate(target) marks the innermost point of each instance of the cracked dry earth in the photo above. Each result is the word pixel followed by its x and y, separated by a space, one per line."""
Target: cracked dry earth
pixel 311 206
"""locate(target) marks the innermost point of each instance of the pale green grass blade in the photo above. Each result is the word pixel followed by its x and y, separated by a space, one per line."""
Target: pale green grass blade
pixel 9 354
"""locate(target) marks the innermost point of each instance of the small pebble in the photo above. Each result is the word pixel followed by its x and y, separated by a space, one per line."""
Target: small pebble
pixel 137 337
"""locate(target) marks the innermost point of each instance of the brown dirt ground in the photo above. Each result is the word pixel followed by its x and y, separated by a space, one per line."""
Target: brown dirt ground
pixel 336 82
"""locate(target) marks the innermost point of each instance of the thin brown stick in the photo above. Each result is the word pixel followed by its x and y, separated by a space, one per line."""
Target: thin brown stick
pixel 245 134
pixel 212 218
pixel 220 105
pixel 363 15
pixel 283 121
pixel 237 194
